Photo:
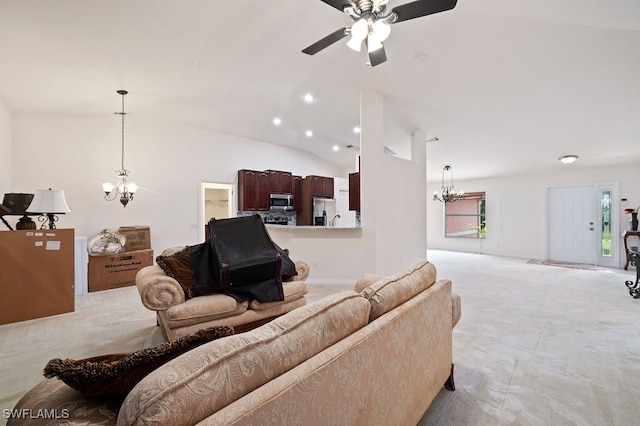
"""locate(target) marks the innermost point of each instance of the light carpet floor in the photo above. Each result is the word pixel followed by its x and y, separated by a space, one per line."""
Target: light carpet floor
pixel 536 345
pixel 540 345
pixel 566 265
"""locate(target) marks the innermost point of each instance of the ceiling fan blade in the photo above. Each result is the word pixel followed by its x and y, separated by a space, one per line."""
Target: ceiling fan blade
pixel 419 8
pixel 338 4
pixel 326 42
pixel 377 57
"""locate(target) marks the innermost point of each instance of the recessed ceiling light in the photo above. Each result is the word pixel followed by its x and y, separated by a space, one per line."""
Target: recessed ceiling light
pixel 356 129
pixel 277 121
pixel 308 98
pixel 309 133
pixel 336 148
pixel 568 159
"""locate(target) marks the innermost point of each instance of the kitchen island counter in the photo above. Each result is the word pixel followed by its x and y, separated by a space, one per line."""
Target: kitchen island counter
pixel 315 228
pixel 333 253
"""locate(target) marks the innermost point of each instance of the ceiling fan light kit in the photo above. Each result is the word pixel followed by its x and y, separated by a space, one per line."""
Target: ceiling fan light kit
pixel 372 24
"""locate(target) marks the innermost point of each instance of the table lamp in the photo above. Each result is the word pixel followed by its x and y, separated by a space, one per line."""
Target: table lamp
pixel 15 204
pixel 49 203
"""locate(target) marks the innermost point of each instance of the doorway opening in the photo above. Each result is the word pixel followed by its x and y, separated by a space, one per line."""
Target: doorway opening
pixel 216 200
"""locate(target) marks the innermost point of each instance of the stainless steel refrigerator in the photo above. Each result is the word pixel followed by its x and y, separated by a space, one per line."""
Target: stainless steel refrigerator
pixel 324 211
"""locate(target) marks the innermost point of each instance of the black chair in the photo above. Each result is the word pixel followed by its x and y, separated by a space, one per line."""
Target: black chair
pixel 245 261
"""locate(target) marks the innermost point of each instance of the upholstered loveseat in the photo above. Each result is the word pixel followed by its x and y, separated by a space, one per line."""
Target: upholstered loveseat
pixel 379 356
pixel 179 315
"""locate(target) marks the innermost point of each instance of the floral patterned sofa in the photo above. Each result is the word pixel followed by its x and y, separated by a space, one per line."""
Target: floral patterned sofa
pixel 162 288
pixel 340 360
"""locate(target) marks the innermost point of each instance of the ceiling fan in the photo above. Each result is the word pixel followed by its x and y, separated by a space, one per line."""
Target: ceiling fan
pixel 372 23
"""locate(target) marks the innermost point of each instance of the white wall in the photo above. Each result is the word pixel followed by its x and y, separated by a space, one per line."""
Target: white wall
pixel 393 207
pixel 393 194
pixel 167 161
pixel 6 150
pixel 516 209
pixel 334 255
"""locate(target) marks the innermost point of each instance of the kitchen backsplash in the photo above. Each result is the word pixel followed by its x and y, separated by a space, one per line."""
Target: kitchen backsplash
pixel 273 217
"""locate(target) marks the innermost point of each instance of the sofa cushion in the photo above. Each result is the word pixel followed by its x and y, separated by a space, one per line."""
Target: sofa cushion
pixel 55 397
pixel 366 280
pixel 292 290
pixel 302 269
pixel 188 389
pixel 204 308
pixel 389 292
pixel 176 264
pixel 116 374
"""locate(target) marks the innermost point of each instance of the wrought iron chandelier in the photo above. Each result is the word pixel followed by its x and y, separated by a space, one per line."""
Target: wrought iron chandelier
pixel 124 189
pixel 448 194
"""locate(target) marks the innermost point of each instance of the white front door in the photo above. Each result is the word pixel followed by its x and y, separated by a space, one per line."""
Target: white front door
pixel 571 215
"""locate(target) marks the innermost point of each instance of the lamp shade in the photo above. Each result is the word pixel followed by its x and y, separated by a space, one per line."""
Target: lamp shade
pixel 49 201
pixel 360 29
pixel 381 30
pixel 17 203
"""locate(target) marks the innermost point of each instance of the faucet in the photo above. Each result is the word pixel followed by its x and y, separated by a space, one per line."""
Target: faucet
pixel 333 221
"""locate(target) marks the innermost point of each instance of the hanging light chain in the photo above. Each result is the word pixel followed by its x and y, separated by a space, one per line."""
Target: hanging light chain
pixel 123 189
pixel 122 114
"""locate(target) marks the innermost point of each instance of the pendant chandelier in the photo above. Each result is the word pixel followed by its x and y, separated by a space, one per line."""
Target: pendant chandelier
pixel 448 195
pixel 123 189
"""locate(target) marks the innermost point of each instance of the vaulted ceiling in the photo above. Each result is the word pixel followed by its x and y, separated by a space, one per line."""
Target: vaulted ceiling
pixel 507 86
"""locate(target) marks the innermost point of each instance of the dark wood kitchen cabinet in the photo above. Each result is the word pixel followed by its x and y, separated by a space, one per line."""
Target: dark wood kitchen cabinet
pixel 253 190
pixel 354 191
pixel 327 187
pixel 313 186
pixel 321 186
pixel 262 196
pixel 280 182
pixel 297 193
pixel 255 186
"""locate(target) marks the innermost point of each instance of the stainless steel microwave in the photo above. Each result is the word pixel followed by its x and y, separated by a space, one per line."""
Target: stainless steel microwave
pixel 280 202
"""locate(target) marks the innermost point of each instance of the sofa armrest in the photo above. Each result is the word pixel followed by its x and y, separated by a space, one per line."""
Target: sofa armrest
pixel 158 291
pixel 456 307
pixel 302 268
